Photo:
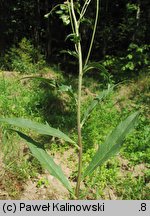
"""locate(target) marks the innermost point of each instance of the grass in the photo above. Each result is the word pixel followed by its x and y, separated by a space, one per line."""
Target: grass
pixel 125 176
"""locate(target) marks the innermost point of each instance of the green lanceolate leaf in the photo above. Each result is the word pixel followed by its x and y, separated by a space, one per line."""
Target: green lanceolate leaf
pixel 95 65
pixel 73 37
pixel 96 100
pixel 112 144
pixel 50 82
pixel 64 88
pixel 44 129
pixel 68 89
pixel 50 13
pixel 45 160
pixel 70 52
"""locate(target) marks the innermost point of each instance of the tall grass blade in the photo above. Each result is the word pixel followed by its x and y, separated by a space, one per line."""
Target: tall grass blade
pixel 112 144
pixel 37 127
pixel 46 160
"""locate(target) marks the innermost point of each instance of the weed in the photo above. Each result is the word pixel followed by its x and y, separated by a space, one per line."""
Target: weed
pixel 42 182
pixel 133 191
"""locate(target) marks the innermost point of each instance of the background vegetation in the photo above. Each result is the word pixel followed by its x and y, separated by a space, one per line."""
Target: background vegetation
pixel 32 45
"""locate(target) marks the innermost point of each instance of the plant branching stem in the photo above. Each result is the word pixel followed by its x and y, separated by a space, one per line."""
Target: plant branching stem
pixel 75 27
pixel 71 21
pixel 84 8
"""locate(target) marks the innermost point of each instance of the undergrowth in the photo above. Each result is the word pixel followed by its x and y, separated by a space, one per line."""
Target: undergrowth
pixel 23 58
pixel 116 179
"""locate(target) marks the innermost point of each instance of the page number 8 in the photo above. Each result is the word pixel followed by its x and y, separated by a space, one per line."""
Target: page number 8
pixel 143 207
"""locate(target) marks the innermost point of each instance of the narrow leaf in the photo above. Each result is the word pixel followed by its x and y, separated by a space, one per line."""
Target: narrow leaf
pixel 73 37
pixel 46 160
pixel 65 88
pixel 112 144
pixel 37 127
pixel 51 82
pixel 96 100
pixel 95 65
pixel 68 89
pixel 50 13
pixel 70 52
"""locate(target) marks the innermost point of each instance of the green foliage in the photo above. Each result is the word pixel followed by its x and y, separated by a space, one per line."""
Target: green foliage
pixel 134 62
pixel 95 65
pixel 112 144
pixel 91 131
pixel 132 192
pixel 96 100
pixel 65 9
pixel 137 58
pixel 44 129
pixel 42 182
pixel 120 23
pixel 137 147
pixel 46 160
pixel 72 53
pixel 20 99
pixel 24 58
pixel 63 13
pixel 108 177
pixel 74 38
pixel 131 7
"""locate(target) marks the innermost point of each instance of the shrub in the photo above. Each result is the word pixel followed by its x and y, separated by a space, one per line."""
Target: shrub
pixel 24 58
pixel 134 62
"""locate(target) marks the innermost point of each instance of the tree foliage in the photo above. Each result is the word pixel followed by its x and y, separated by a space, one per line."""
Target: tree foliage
pixel 121 23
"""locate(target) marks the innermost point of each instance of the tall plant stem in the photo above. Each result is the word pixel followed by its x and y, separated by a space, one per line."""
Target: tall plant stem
pixel 76 24
pixel 79 120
